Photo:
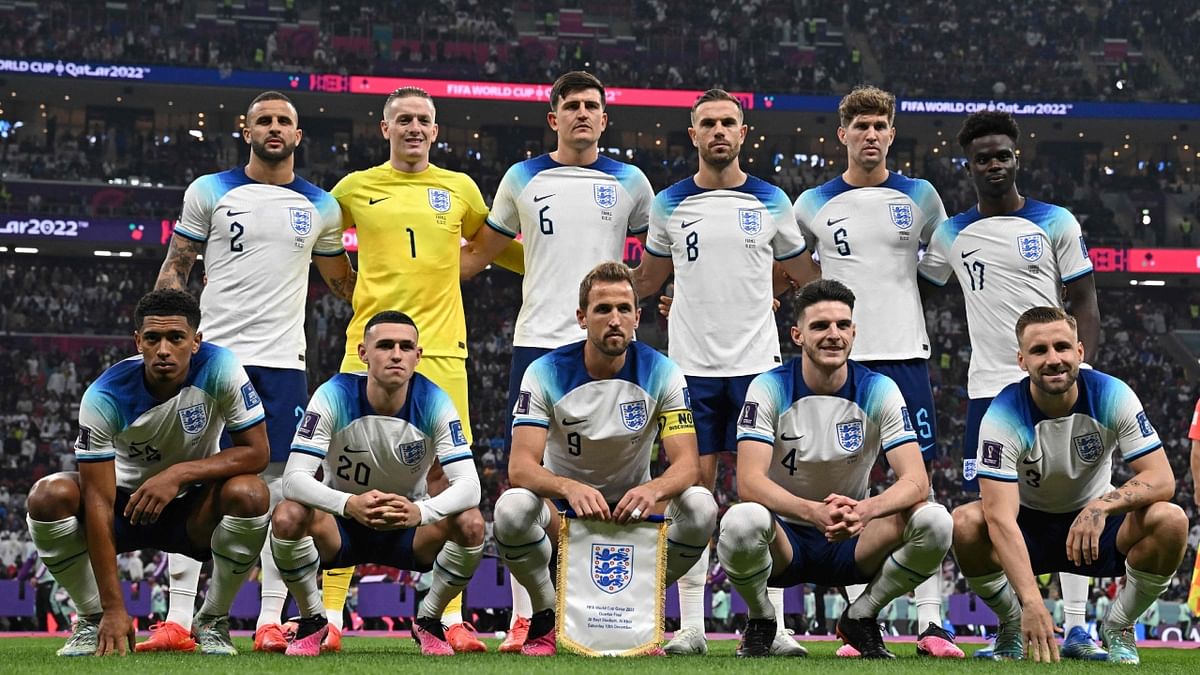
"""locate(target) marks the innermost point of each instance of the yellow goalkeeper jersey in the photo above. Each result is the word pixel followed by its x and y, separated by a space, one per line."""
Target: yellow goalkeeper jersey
pixel 410 228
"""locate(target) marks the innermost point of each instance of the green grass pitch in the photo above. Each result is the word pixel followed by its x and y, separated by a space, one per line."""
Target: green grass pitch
pixel 376 656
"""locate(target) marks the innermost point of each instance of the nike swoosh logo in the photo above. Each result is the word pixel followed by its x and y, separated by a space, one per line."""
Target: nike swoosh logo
pixel 537 199
pixel 970 253
pixel 1032 461
pixel 571 423
pixel 350 451
pixel 372 201
pixel 687 225
pixel 515 557
pixel 785 437
pixel 834 221
pixel 229 213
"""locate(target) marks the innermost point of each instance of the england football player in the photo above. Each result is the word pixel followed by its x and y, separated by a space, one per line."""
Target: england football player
pixel 1046 447
pixel 573 446
pixel 573 209
pixel 1010 253
pixel 415 267
pixel 720 231
pixel 808 435
pixel 378 434
pixel 150 476
pixel 258 227
pixel 865 229
pixel 1194 437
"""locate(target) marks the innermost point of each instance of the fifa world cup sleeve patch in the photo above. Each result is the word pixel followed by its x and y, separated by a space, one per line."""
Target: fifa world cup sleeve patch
pixel 749 416
pixel 522 407
pixel 308 425
pixel 990 455
pixel 675 422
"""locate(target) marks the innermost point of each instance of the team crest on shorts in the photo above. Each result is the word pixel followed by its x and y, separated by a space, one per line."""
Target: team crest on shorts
pixel 902 215
pixel 1030 247
pixel 411 453
pixel 439 199
pixel 193 418
pixel 606 195
pixel 612 566
pixel 300 220
pixel 750 220
pixel 633 415
pixel 850 435
pixel 1089 446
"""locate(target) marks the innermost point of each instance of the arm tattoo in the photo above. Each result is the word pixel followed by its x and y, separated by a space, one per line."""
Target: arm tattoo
pixel 343 287
pixel 181 257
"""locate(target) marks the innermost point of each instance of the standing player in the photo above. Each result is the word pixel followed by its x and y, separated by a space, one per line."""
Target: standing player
pixel 1011 253
pixel 582 436
pixel 378 434
pixel 258 228
pixel 1046 448
pixel 720 231
pixel 411 217
pixel 808 436
pixel 150 476
pixel 573 209
pixel 866 227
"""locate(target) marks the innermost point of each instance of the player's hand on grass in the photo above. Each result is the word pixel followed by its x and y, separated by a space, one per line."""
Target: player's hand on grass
pixel 147 502
pixel 1037 630
pixel 116 634
pixel 640 500
pixel 1083 539
pixel 587 502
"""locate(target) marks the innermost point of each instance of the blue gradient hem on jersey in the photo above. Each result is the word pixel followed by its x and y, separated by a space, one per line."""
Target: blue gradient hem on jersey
pixel 309 450
pixel 746 436
pixel 1143 452
pixel 247 425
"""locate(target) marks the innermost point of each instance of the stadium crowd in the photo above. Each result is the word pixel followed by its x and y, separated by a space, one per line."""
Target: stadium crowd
pixel 1117 51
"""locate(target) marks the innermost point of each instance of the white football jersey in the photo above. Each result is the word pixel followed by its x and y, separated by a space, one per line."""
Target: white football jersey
pixel 259 241
pixel 570 218
pixel 868 238
pixel 723 244
pixel 119 418
pixel 1062 463
pixel 1005 265
pixel 824 444
pixel 364 450
pixel 600 432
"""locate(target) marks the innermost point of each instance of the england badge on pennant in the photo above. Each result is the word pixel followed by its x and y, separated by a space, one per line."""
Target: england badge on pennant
pixel 439 199
pixel 612 567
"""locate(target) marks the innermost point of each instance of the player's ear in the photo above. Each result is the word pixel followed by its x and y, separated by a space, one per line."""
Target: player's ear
pixel 796 338
pixel 299 136
pixel 383 127
pixel 580 316
pixel 841 132
pixel 433 134
pixel 246 135
pixel 1021 360
pixel 362 352
pixel 552 120
pixel 197 338
pixel 637 318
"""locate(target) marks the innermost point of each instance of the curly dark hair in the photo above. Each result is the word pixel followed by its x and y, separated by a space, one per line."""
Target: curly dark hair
pixel 168 302
pixel 988 123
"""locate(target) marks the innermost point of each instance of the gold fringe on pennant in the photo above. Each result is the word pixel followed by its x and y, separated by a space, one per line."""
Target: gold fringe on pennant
pixel 560 600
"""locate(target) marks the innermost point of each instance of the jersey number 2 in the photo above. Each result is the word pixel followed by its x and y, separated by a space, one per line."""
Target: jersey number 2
pixel 235 244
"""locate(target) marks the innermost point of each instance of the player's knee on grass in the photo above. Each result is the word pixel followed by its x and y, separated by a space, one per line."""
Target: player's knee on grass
pixel 245 496
pixel 466 528
pixel 290 520
pixel 53 498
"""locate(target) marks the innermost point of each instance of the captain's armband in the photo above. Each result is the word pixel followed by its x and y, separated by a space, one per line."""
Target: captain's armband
pixel 675 422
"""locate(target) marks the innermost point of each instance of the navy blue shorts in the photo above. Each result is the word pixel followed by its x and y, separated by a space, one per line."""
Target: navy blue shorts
pixel 168 533
pixel 976 407
pixel 284 394
pixel 912 376
pixel 361 544
pixel 522 357
pixel 716 404
pixel 816 560
pixel 1046 538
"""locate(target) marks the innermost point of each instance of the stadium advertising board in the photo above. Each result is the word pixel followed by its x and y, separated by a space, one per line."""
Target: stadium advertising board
pixel 127 231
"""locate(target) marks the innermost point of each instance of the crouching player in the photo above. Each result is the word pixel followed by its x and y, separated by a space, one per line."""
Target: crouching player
pixel 150 476
pixel 1046 448
pixel 379 433
pixel 808 435
pixel 583 429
